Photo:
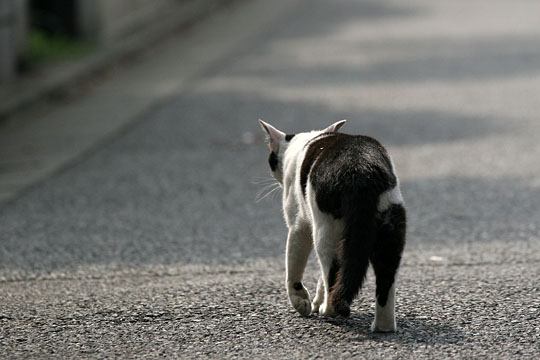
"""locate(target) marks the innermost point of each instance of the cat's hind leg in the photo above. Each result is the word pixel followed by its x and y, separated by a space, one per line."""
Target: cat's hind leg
pixel 385 259
pixel 326 235
pixel 299 245
pixel 321 292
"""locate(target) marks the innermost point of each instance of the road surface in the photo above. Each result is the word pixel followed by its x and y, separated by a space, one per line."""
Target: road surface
pixel 151 243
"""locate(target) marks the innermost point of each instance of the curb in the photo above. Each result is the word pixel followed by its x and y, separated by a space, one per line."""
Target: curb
pixel 25 91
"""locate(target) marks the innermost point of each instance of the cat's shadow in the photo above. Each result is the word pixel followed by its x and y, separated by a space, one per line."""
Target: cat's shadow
pixel 411 330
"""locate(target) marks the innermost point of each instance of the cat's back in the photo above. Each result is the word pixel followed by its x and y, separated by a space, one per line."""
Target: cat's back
pixel 339 165
pixel 336 157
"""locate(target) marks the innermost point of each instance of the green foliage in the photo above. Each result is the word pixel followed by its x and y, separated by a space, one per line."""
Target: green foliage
pixel 44 48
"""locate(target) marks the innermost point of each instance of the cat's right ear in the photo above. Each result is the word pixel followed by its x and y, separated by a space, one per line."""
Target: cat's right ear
pixel 335 126
pixel 273 135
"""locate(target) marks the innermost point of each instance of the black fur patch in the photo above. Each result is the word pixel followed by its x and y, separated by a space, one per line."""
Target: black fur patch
pixel 273 161
pixel 289 137
pixel 297 286
pixel 386 255
pixel 339 166
pixel 349 169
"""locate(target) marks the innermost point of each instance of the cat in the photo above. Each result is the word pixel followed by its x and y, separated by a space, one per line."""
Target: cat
pixel 341 196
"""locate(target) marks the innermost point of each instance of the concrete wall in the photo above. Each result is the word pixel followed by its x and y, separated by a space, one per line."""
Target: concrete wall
pixel 13 30
pixel 8 50
pixel 107 21
pixel 21 24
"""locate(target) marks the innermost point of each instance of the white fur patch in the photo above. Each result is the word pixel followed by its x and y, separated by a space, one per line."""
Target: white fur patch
pixel 384 315
pixel 294 204
pixel 389 198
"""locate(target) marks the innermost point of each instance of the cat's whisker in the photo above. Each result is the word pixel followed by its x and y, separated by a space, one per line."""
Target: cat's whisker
pixel 261 194
pixel 263 181
pixel 273 196
pixel 273 191
pixel 267 191
pixel 265 188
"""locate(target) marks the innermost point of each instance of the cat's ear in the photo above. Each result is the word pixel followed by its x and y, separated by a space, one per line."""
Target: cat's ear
pixel 274 136
pixel 335 126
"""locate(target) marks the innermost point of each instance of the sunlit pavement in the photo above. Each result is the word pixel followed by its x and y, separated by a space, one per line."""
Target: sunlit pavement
pixel 150 241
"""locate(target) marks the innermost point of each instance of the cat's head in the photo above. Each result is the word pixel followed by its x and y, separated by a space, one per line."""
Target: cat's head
pixel 278 141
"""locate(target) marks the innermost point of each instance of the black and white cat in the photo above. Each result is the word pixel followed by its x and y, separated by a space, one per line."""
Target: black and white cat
pixel 342 197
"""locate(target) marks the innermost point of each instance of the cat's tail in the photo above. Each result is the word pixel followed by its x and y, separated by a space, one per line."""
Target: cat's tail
pixel 359 215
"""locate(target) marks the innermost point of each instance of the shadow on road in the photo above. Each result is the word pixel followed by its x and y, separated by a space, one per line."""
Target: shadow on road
pixel 471 210
pixel 411 330
pixel 438 59
pixel 337 47
pixel 210 115
pixel 322 20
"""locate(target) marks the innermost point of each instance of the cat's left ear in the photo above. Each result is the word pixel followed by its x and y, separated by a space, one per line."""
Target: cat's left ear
pixel 275 136
pixel 335 126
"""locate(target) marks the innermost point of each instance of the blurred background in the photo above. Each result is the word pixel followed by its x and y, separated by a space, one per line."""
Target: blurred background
pixel 34 32
pixel 131 158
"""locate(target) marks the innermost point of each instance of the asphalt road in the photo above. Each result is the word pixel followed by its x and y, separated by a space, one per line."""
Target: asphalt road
pixel 152 244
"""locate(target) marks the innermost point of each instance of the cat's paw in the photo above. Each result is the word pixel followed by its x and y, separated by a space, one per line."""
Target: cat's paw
pixel 317 301
pixel 300 304
pixel 385 320
pixel 299 298
pixel 327 309
pixel 384 326
pixel 343 309
pixel 315 305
